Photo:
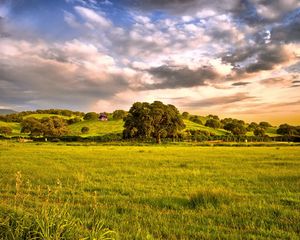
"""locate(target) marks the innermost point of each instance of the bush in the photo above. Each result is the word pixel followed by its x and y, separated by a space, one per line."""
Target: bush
pixel 85 130
pixel 5 130
pixel 91 116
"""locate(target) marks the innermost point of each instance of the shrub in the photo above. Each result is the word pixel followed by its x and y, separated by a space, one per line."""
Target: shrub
pixel 5 130
pixel 85 130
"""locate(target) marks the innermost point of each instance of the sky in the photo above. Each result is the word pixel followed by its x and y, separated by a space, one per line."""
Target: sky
pixel 232 58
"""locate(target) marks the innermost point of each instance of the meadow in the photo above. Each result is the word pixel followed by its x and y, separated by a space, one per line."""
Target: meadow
pixel 77 191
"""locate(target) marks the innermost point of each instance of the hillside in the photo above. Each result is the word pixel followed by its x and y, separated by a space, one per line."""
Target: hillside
pixel 43 115
pixel 100 128
pixel 195 126
pixel 97 128
pixel 4 111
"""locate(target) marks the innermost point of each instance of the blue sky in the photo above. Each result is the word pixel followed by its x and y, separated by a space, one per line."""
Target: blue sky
pixel 236 58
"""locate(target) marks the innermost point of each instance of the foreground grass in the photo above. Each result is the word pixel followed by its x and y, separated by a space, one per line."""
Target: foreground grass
pixel 152 192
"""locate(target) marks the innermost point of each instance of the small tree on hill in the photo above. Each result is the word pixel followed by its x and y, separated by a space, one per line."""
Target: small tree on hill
pixel 119 114
pixel 213 123
pixel 91 116
pixel 265 125
pixel 85 130
pixel 259 132
pixel 50 127
pixel 5 130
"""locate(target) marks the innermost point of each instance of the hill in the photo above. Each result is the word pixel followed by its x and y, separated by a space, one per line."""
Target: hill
pixel 195 126
pixel 4 111
pixel 97 128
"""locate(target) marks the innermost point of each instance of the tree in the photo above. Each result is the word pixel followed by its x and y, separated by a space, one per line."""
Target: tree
pixel 196 119
pixel 236 128
pixel 265 125
pixel 119 114
pixel 5 130
pixel 213 123
pixel 85 130
pixel 157 120
pixel 54 127
pixel 32 126
pixel 210 116
pixel 185 115
pixel 91 116
pixel 252 126
pixel 50 127
pixel 259 132
pixel 286 129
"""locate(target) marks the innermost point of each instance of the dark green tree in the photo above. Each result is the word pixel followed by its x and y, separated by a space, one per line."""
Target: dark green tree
pixel 32 126
pixel 54 127
pixel 85 130
pixel 213 123
pixel 119 114
pixel 252 126
pixel 196 119
pixel 265 125
pixel 48 127
pixel 236 128
pixel 91 116
pixel 185 115
pixel 259 132
pixel 156 120
pixel 286 129
pixel 5 130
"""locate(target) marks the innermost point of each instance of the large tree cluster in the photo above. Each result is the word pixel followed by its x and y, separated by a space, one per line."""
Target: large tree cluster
pixel 155 120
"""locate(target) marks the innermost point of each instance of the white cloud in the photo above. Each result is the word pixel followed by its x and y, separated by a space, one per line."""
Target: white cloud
pixel 93 17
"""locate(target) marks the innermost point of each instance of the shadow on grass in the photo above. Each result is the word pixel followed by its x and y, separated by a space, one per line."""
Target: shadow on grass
pixel 201 199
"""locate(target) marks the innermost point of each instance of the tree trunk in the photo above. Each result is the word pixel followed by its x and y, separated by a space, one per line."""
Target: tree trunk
pixel 158 140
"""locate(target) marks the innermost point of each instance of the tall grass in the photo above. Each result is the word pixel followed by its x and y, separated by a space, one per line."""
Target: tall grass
pixel 148 192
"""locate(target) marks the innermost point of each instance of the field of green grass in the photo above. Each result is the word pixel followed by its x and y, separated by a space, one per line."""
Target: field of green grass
pixel 97 128
pixel 195 126
pixel 148 192
pixel 44 115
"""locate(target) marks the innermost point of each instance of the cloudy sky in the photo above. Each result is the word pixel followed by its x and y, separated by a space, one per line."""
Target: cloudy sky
pixel 238 58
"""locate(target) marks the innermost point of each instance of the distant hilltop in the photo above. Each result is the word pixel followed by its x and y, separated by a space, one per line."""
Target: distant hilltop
pixel 5 111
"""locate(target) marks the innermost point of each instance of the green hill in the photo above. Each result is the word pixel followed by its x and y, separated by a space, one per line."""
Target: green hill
pixel 44 115
pixel 195 126
pixel 97 128
pixel 100 128
pixel 4 111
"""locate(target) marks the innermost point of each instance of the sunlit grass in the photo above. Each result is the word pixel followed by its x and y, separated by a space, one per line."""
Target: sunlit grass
pixel 160 192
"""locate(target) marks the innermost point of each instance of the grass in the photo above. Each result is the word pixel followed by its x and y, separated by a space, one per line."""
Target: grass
pixel 44 115
pixel 97 128
pixel 195 126
pixel 151 192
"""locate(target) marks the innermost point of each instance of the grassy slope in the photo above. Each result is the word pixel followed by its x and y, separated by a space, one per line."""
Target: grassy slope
pixel 40 116
pixel 139 192
pixel 195 126
pixel 97 128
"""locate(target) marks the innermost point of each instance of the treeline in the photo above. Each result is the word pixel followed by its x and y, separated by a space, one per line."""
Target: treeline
pixel 18 117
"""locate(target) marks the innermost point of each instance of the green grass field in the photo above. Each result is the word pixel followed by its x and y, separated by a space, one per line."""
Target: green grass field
pixel 44 115
pixel 195 126
pixel 149 192
pixel 97 128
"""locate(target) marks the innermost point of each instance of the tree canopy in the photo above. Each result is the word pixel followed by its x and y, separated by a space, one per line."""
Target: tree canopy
pixel 48 127
pixel 145 120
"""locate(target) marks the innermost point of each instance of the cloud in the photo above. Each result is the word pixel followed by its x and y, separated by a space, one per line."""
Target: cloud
pixel 180 77
pixel 214 101
pixel 284 81
pixel 93 16
pixel 289 32
pixel 28 76
pixel 240 83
